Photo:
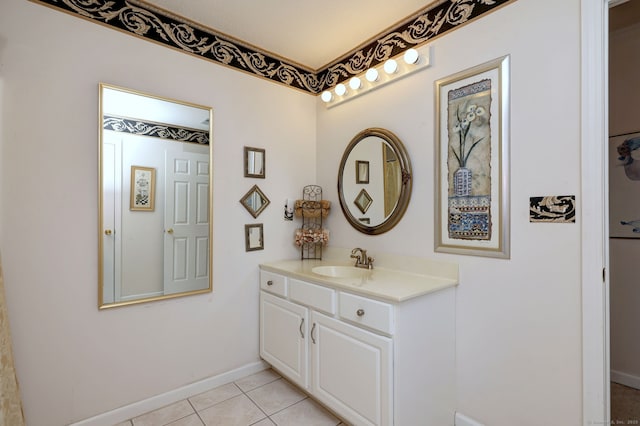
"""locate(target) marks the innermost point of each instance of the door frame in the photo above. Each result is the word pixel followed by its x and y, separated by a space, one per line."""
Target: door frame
pixel 594 229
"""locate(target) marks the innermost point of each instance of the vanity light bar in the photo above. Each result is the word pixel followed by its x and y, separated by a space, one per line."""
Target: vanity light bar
pixel 412 60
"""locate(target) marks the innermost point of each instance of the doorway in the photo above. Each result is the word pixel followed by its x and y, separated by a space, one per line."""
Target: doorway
pixel 624 211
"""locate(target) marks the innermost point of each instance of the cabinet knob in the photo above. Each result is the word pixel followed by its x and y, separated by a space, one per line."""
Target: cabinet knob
pixel 270 282
pixel 360 312
pixel 107 232
pixel 170 231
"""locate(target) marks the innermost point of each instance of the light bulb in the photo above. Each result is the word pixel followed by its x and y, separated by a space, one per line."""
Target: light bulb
pixel 411 56
pixel 341 89
pixel 326 96
pixel 390 66
pixel 355 83
pixel 371 74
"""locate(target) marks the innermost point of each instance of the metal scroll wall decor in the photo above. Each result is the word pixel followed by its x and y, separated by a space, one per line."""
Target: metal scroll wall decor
pixel 311 237
pixel 144 20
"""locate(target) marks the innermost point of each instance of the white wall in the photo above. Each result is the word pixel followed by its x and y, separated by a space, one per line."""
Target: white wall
pixel 624 253
pixel 72 360
pixel 141 271
pixel 519 320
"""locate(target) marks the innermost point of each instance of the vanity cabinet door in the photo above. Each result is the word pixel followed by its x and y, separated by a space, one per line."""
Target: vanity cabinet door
pixel 283 337
pixel 352 371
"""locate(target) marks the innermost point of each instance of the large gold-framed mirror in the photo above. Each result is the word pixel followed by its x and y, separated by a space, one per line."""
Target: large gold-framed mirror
pixel 374 181
pixel 155 206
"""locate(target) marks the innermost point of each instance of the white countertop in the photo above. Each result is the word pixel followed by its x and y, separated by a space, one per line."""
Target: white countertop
pixel 389 284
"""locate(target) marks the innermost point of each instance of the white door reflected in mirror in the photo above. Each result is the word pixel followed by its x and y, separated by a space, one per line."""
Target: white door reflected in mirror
pixel 155 180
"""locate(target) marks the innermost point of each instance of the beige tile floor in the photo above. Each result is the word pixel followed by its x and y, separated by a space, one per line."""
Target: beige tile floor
pixel 262 399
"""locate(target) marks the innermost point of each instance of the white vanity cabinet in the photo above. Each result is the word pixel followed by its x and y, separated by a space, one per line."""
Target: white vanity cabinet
pixel 283 328
pixel 351 371
pixel 371 361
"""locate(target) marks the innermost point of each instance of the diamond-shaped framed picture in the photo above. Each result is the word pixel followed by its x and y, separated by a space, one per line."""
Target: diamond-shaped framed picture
pixel 363 201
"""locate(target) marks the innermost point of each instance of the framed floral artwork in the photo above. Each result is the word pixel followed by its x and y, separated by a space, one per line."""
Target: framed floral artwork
pixel 472 161
pixel 143 184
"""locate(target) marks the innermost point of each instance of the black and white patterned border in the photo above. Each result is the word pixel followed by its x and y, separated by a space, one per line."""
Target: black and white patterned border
pixel 143 20
pixel 553 208
pixel 156 130
pixel 434 21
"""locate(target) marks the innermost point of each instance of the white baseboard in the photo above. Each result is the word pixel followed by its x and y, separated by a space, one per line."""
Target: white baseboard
pixel 138 408
pixel 462 420
pixel 625 379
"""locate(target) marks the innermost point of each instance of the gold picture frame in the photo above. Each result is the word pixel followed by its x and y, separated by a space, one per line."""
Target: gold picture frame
pixel 254 162
pixel 363 201
pixel 254 237
pixel 255 201
pixel 362 171
pixel 143 189
pixel 472 161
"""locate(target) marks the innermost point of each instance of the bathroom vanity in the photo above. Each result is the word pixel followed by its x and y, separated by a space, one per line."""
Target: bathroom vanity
pixel 376 346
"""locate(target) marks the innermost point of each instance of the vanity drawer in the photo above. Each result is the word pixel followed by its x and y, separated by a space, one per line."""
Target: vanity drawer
pixel 367 312
pixel 273 283
pixel 312 295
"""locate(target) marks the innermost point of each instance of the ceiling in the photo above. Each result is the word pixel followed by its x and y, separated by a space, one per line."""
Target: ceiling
pixel 310 33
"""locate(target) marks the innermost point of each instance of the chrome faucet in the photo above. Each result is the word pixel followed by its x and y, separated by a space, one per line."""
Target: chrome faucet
pixel 362 260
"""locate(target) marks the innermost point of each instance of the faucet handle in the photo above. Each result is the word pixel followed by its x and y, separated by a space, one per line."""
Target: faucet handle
pixel 370 262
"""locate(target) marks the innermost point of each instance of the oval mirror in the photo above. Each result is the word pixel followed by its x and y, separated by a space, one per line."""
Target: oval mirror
pixel 374 181
pixel 155 238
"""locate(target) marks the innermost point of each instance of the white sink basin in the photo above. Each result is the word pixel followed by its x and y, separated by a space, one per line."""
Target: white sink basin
pixel 339 271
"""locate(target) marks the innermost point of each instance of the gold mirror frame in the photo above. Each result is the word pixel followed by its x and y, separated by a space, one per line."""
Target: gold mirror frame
pixel 246 201
pixel 253 242
pixel 104 232
pixel 405 183
pixel 254 162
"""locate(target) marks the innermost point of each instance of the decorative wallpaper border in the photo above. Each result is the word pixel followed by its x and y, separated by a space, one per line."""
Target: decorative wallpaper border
pixel 156 130
pixel 143 20
pixel 432 22
pixel 553 208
